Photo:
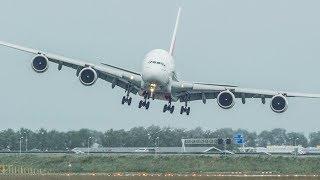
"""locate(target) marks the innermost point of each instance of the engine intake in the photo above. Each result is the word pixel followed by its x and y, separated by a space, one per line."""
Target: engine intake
pixel 88 76
pixel 226 99
pixel 279 103
pixel 40 63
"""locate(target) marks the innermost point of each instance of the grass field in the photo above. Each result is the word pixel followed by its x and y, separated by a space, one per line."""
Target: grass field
pixel 164 163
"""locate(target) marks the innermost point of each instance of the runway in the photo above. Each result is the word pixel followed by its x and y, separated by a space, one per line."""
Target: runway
pixel 158 177
pixel 154 165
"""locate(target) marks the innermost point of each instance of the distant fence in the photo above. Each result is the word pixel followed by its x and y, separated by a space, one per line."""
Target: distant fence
pixel 35 152
pixel 12 169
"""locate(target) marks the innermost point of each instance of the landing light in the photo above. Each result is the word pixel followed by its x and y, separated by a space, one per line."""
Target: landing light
pixel 152 87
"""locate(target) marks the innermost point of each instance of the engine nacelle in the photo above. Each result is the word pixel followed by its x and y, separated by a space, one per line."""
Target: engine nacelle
pixel 279 103
pixel 88 76
pixel 226 99
pixel 40 63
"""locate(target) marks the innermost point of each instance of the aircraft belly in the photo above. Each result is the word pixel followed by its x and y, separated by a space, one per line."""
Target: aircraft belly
pixel 160 95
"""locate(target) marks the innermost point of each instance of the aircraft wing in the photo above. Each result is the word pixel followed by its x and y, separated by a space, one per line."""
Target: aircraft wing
pixel 117 76
pixel 201 91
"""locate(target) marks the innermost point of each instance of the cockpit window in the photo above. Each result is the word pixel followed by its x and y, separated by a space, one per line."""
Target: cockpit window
pixel 157 62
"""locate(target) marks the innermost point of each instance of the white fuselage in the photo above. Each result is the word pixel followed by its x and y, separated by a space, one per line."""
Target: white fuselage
pixel 157 73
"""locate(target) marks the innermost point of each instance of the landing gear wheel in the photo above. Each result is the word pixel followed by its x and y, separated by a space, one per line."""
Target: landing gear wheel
pixel 185 109
pixel 129 101
pixel 144 103
pixel 123 100
pixel 168 107
pixel 172 109
pixel 126 99
pixel 147 105
pixel 188 110
pixel 165 108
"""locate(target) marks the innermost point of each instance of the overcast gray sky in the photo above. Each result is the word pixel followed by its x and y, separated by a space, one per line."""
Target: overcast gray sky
pixel 258 44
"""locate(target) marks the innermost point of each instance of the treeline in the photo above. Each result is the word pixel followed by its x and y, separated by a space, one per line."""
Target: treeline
pixel 152 136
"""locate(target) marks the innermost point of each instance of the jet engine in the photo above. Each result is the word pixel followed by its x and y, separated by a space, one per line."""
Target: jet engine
pixel 226 99
pixel 40 63
pixel 88 76
pixel 279 103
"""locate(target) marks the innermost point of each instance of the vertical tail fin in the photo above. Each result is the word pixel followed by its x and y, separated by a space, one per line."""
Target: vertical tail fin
pixel 173 40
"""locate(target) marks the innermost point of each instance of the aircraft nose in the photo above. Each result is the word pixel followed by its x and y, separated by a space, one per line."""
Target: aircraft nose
pixel 156 76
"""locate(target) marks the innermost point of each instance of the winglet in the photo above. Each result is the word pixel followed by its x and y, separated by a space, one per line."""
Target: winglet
pixel 173 41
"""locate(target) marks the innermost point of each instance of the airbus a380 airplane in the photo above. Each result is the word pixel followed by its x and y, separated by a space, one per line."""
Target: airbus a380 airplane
pixel 158 80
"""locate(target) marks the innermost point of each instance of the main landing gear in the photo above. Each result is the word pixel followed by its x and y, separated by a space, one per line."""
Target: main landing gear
pixel 145 103
pixel 185 109
pixel 168 107
pixel 127 99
